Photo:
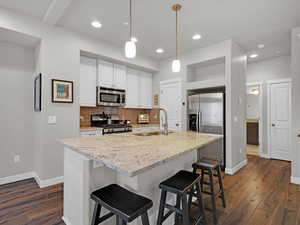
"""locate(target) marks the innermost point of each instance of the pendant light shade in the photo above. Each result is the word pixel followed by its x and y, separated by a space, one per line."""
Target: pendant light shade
pixel 130 47
pixel 176 65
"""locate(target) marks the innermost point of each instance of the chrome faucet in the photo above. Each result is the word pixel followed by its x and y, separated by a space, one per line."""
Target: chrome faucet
pixel 165 130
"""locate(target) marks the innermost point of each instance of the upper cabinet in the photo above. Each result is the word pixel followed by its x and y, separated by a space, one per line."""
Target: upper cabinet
pixel 119 77
pixel 145 90
pixel 132 90
pixel 111 75
pixel 139 89
pixel 105 74
pixel 88 80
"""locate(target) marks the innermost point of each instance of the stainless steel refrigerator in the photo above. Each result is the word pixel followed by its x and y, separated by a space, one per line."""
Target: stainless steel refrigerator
pixel 206 114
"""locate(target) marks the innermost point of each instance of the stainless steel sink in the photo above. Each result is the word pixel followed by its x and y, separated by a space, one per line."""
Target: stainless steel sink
pixel 152 133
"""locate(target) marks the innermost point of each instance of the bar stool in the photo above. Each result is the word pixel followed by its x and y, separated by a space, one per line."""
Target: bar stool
pixel 123 204
pixel 208 167
pixel 182 184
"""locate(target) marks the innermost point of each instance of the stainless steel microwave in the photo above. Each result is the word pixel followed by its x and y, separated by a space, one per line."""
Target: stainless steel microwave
pixel 111 97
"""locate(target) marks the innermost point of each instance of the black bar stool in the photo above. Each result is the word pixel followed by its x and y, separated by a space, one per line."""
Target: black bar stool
pixel 182 184
pixel 208 167
pixel 125 205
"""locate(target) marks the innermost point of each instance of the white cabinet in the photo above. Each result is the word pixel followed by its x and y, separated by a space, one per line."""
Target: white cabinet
pixel 119 79
pixel 139 89
pixel 145 92
pixel 111 75
pixel 105 74
pixel 132 90
pixel 88 80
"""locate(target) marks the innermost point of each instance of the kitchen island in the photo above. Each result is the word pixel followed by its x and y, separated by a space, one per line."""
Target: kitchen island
pixel 136 161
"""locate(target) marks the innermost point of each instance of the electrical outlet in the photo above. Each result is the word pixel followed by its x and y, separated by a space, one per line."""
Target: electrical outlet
pixel 17 158
pixel 51 119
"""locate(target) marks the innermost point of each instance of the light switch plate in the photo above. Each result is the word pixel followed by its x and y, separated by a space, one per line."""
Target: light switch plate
pixel 51 119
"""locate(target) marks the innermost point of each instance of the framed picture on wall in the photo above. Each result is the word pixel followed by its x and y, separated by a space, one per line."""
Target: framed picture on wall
pixel 62 91
pixel 38 93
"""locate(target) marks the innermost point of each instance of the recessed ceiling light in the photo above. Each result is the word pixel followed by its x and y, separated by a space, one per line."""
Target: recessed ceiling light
pixel 261 46
pixel 278 52
pixel 197 37
pixel 96 24
pixel 134 39
pixel 254 55
pixel 125 23
pixel 159 50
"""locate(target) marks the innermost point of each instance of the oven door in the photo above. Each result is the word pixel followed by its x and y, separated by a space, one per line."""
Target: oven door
pixel 109 97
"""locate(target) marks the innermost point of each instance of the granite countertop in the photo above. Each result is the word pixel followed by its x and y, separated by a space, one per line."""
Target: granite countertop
pixel 82 129
pixel 130 154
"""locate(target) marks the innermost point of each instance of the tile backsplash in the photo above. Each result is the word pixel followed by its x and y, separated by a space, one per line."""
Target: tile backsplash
pixel 124 114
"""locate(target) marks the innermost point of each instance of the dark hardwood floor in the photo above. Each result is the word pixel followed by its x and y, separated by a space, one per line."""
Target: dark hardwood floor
pixel 260 194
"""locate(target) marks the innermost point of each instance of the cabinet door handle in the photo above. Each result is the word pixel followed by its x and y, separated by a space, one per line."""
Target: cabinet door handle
pixel 273 125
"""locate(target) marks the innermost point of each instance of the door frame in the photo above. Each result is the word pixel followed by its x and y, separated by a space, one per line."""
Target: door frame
pixel 269 83
pixel 173 81
pixel 261 118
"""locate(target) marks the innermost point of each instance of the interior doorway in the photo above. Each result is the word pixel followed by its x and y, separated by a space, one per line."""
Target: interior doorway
pixel 254 118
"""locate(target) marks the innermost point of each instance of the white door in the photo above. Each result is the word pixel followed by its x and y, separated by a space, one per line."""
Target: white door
pixel 145 93
pixel 280 106
pixel 88 79
pixel 119 80
pixel 106 74
pixel 170 100
pixel 132 89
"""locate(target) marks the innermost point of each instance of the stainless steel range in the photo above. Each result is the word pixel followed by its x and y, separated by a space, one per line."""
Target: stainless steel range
pixel 110 124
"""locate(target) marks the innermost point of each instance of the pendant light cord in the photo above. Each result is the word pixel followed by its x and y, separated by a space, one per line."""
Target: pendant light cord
pixel 176 34
pixel 130 14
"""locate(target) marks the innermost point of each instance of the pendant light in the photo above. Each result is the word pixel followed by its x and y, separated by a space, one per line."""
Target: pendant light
pixel 130 48
pixel 176 62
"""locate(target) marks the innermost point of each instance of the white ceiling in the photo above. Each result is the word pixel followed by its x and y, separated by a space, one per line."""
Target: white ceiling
pixel 35 8
pixel 13 37
pixel 248 22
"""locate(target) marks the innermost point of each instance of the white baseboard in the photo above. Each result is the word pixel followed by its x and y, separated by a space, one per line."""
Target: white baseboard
pixel 265 156
pixel 66 221
pixel 295 180
pixel 24 176
pixel 15 178
pixel 232 171
pixel 48 182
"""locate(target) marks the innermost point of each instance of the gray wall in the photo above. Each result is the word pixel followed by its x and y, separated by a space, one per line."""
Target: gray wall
pixel 296 102
pixel 58 56
pixel 263 71
pixel 16 109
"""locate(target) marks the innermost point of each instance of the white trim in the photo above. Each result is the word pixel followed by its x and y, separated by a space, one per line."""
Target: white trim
pixel 269 83
pixel 232 171
pixel 295 180
pixel 263 155
pixel 170 81
pixel 48 182
pixel 205 84
pixel 25 176
pixel 261 115
pixel 66 221
pixel 279 81
pixel 18 177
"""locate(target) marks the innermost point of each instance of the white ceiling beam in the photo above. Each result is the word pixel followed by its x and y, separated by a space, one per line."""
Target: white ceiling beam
pixel 55 11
